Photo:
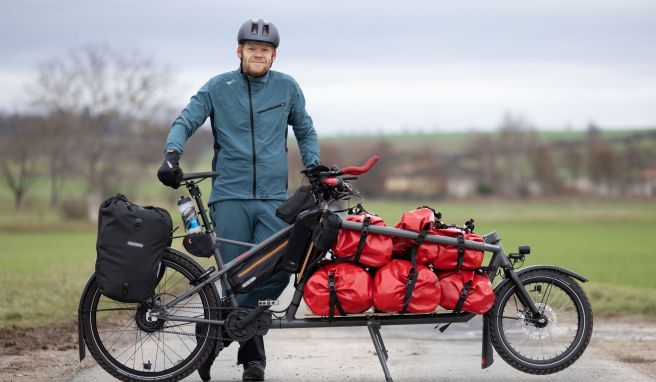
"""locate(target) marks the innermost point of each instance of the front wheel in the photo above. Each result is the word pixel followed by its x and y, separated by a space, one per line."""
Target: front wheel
pixel 545 344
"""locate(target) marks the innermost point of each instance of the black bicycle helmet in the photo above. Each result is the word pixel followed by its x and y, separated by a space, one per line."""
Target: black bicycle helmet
pixel 259 30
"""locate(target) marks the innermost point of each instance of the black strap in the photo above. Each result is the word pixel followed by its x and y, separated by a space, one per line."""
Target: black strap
pixel 461 250
pixel 333 301
pixel 363 239
pixel 409 287
pixel 413 274
pixel 355 258
pixel 463 296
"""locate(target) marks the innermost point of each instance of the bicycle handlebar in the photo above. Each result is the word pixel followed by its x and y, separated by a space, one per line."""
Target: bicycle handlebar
pixel 366 166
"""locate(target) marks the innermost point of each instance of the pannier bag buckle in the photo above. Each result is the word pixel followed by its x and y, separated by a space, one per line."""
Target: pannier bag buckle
pixel 137 224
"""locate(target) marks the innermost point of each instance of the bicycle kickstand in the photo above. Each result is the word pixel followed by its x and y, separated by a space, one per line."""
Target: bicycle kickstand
pixel 374 330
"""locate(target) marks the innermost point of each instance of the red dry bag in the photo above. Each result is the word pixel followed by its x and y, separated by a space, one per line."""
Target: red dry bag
pixel 457 256
pixel 466 291
pixel 397 288
pixel 339 289
pixel 361 246
pixel 421 220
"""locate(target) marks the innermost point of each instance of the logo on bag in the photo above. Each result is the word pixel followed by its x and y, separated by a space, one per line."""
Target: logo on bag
pixel 248 282
pixel 134 244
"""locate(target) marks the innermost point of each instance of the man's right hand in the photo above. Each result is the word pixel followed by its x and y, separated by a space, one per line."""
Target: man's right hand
pixel 170 173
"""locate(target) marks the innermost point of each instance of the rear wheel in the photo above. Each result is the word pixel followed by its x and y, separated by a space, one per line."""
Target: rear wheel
pixel 132 346
pixel 549 342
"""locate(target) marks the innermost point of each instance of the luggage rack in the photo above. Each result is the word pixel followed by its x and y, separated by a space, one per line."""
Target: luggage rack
pixel 373 321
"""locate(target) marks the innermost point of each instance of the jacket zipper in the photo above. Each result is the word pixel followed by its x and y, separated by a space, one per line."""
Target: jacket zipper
pixel 271 108
pixel 250 103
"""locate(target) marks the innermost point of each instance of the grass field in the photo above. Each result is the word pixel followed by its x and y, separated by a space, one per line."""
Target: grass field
pixel 612 244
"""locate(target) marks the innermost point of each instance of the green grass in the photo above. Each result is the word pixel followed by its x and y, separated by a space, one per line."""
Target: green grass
pixel 42 275
pixel 612 244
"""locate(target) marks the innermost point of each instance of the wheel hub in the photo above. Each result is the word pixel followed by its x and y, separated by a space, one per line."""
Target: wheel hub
pixel 146 322
pixel 527 320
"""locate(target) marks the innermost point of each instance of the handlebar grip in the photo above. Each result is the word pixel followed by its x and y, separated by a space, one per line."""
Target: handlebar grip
pixel 366 166
pixel 332 182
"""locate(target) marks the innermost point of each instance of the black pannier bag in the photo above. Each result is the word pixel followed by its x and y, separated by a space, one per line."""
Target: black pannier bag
pixel 302 200
pixel 130 245
pixel 260 266
pixel 299 241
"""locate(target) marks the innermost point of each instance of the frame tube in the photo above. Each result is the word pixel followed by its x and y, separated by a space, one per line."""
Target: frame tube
pixel 408 319
pixel 388 231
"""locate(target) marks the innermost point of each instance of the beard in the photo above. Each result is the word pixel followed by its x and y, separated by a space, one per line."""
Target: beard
pixel 255 69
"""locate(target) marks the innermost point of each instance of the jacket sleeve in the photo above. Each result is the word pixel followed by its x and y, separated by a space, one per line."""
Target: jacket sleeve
pixel 189 119
pixel 304 132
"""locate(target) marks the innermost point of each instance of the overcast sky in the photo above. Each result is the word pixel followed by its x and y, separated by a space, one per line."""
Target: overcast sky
pixel 379 66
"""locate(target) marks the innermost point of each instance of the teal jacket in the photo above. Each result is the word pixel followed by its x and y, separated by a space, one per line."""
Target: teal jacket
pixel 249 118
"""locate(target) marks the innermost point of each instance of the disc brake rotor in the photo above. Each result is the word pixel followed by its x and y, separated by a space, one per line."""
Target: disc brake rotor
pixel 529 325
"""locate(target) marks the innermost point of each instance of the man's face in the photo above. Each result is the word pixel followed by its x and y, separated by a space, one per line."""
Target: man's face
pixel 256 57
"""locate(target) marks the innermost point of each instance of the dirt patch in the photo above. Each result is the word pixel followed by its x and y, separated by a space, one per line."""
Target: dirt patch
pixel 16 341
pixel 630 340
pixel 39 354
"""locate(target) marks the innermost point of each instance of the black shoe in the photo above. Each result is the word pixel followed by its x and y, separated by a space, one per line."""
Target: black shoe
pixel 254 371
pixel 204 369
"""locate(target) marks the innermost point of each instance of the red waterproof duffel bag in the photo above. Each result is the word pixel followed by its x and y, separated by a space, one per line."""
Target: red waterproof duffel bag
pixel 339 289
pixel 421 219
pixel 361 246
pixel 466 291
pixel 395 292
pixel 453 257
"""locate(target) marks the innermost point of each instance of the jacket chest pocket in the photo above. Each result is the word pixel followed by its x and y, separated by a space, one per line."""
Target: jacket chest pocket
pixel 270 108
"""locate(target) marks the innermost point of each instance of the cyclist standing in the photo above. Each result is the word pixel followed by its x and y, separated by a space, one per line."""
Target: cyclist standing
pixel 250 110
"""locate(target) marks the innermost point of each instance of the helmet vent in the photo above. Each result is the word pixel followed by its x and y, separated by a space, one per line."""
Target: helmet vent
pixel 254 28
pixel 265 30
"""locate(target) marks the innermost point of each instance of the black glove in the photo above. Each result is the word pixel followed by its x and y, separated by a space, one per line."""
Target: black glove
pixel 170 173
pixel 314 169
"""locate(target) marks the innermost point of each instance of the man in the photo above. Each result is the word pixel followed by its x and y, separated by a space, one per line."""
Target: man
pixel 250 110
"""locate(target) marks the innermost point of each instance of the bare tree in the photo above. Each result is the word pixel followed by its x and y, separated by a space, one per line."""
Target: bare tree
pixel 544 169
pixel 20 151
pixel 101 104
pixel 516 139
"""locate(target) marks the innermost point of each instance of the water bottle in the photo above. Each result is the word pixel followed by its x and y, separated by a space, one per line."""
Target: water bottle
pixel 188 214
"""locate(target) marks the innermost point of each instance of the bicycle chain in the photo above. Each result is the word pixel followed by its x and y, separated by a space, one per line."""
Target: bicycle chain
pixel 193 334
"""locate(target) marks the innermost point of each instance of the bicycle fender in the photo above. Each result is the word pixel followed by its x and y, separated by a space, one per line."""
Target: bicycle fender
pixel 80 333
pixel 554 268
pixel 545 267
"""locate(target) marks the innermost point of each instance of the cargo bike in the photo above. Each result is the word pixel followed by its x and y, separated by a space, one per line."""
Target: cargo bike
pixel 540 321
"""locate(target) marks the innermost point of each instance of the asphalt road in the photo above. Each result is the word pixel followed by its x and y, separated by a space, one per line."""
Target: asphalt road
pixel 417 353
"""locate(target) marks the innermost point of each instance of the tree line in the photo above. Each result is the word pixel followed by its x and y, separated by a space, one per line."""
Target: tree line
pixel 100 117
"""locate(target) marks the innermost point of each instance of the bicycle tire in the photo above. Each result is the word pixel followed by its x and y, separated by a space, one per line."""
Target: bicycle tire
pixel 569 327
pixel 109 359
